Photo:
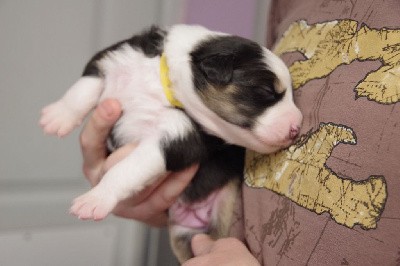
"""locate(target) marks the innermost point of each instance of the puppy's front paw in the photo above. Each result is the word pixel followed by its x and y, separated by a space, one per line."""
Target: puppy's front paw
pixel 93 205
pixel 59 119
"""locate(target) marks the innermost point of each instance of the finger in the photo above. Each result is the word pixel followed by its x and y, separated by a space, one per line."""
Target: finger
pixel 94 135
pixel 158 197
pixel 129 208
pixel 118 155
pixel 152 207
pixel 201 261
pixel 202 244
pixel 168 191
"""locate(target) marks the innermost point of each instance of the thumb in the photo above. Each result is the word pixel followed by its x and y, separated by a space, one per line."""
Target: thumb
pixel 201 244
pixel 94 136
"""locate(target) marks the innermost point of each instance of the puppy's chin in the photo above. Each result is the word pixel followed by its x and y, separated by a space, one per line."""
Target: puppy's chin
pixel 273 141
pixel 267 147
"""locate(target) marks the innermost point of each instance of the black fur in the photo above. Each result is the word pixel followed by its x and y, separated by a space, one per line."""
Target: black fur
pixel 218 161
pixel 182 153
pixel 238 62
pixel 225 163
pixel 219 61
pixel 233 80
pixel 150 42
pixel 218 69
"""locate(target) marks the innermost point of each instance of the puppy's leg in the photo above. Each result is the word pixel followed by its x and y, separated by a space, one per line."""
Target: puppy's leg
pixel 129 176
pixel 61 117
pixel 180 240
pixel 212 216
pixel 143 166
pixel 222 216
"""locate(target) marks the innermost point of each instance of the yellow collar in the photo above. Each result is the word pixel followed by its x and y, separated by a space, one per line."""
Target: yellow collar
pixel 166 82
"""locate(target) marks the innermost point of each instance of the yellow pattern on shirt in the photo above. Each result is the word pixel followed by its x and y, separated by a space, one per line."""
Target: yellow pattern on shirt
pixel 329 45
pixel 300 173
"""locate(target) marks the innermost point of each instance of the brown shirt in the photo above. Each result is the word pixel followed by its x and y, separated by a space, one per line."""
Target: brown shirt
pixel 333 198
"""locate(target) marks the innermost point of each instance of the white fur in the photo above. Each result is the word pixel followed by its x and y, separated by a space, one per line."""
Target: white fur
pixel 148 118
pixel 133 79
pixel 131 175
pixel 61 117
pixel 272 129
pixel 277 66
pixel 139 169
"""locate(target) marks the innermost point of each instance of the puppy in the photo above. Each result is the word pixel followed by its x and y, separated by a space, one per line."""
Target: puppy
pixel 189 95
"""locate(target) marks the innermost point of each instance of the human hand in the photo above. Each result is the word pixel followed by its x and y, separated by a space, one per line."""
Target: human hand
pixel 224 251
pixel 150 205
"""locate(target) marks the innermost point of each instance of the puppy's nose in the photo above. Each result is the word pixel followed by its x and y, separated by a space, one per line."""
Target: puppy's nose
pixel 294 132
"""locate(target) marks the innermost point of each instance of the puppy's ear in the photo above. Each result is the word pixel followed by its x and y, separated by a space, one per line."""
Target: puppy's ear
pixel 218 68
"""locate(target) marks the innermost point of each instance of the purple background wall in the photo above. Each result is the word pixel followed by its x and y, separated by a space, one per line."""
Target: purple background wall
pixel 231 16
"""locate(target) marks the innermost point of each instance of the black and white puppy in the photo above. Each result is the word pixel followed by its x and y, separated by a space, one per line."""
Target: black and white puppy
pixel 231 93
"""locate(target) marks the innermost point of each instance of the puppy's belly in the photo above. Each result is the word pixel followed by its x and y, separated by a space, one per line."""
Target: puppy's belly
pixel 196 215
pixel 135 83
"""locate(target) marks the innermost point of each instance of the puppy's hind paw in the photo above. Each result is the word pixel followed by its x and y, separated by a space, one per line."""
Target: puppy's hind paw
pixel 59 119
pixel 93 206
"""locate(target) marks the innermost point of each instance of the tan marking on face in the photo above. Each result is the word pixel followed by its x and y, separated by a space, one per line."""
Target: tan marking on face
pixel 215 96
pixel 279 88
pixel 221 101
